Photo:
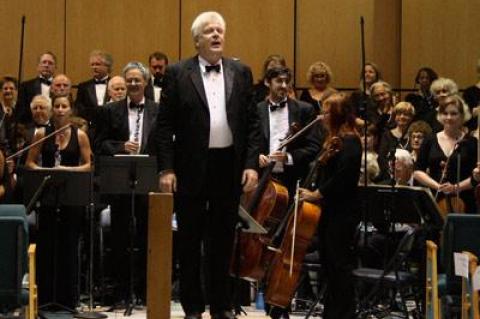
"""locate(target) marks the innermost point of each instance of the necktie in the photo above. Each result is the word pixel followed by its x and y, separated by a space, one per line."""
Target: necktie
pixel 102 81
pixel 210 68
pixel 276 106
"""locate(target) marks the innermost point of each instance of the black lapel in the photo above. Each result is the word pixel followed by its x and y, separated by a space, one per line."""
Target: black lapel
pixel 92 93
pixel 293 112
pixel 228 78
pixel 194 69
pixel 148 118
pixel 264 119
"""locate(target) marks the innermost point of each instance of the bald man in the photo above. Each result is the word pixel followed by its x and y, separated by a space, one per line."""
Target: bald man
pixel 117 89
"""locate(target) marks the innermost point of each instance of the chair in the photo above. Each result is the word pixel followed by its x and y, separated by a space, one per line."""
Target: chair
pixel 15 262
pixel 469 295
pixel 432 302
pixel 393 277
pixel 460 234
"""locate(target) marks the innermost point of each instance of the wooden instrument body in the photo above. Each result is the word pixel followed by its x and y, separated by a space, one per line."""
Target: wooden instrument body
pixel 451 204
pixel 281 284
pixel 254 255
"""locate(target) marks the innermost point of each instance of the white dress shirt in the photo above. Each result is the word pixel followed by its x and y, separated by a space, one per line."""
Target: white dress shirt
pixel 100 91
pixel 133 114
pixel 214 84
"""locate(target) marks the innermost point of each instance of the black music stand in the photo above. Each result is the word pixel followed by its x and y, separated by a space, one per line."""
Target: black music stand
pixel 412 205
pixel 128 175
pixel 245 224
pixel 56 188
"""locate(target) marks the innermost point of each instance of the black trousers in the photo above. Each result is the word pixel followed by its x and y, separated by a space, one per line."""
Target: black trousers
pixel 336 235
pixel 207 223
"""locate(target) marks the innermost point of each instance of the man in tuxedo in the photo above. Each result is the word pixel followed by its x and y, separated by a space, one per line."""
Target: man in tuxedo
pixel 127 129
pixel 40 85
pixel 207 142
pixel 117 89
pixel 61 86
pixel 92 94
pixel 279 115
pixel 158 62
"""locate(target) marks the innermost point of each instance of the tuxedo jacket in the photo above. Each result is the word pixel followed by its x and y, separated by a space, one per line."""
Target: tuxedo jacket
pixel 26 92
pixel 149 90
pixel 86 103
pixel 183 125
pixel 112 137
pixel 305 148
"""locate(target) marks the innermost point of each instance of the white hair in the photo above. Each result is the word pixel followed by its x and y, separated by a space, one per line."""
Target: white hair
pixel 204 18
pixel 404 156
pixel 139 66
pixel 41 98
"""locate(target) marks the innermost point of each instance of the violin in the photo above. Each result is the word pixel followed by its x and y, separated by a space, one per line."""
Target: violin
pixel 450 203
pixel 284 273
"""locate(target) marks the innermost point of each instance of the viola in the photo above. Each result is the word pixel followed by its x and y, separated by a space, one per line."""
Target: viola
pixel 286 264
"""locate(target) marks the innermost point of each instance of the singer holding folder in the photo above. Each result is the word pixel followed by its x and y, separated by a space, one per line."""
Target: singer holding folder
pixel 68 150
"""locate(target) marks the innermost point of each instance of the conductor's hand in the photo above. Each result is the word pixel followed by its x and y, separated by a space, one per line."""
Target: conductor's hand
pixel 168 182
pixel 249 180
pixel 131 147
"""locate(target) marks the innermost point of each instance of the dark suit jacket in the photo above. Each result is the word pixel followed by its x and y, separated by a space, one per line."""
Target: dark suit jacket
pixel 86 103
pixel 149 94
pixel 26 92
pixel 112 137
pixel 184 114
pixel 305 148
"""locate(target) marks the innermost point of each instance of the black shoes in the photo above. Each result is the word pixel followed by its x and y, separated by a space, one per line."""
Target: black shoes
pixel 224 315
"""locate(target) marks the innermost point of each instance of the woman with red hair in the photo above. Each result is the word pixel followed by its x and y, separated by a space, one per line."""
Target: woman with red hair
pixel 336 190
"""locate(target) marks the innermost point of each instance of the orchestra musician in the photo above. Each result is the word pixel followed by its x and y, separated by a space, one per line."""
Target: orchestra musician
pixel 337 181
pixel 68 150
pixel 446 159
pixel 277 114
pixel 206 105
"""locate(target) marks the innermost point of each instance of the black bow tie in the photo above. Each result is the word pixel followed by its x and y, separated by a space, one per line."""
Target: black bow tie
pixel 41 125
pixel 210 68
pixel 102 81
pixel 276 106
pixel 45 81
pixel 158 82
pixel 136 106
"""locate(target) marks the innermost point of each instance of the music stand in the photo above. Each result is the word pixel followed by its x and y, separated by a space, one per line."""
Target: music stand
pixel 128 175
pixel 59 188
pixel 246 224
pixel 412 205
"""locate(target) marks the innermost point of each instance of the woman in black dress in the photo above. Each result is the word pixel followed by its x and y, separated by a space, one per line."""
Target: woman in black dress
pixel 58 231
pixel 423 100
pixel 446 159
pixel 336 191
pixel 319 75
pixel 397 137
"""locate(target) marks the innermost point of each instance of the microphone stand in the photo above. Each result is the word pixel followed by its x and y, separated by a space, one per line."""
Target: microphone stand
pixel 91 314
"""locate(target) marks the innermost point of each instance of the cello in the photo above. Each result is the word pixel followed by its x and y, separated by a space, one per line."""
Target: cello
pixel 283 276
pixel 267 205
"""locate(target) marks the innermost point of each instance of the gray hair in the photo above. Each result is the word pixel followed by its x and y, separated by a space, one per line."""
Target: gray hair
pixel 404 156
pixel 139 66
pixel 41 98
pixel 378 84
pixel 206 17
pixel 444 83
pixel 106 57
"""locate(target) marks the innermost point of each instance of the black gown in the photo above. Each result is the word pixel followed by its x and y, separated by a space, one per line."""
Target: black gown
pixel 337 182
pixel 58 234
pixel 432 158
